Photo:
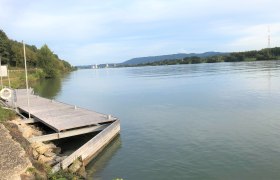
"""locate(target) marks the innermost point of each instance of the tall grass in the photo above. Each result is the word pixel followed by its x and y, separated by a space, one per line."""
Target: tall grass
pixel 17 77
pixel 6 114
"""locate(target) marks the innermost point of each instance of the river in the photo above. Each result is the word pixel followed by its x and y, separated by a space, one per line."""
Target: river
pixel 198 121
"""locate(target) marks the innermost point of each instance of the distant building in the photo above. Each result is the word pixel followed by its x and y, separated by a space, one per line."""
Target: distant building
pixel 95 66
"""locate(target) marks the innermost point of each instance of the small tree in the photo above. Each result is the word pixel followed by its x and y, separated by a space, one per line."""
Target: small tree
pixel 48 62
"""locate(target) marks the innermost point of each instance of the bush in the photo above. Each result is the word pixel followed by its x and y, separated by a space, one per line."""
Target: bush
pixel 63 175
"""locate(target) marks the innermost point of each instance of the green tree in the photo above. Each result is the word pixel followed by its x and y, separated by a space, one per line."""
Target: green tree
pixel 48 62
pixel 4 47
pixel 12 53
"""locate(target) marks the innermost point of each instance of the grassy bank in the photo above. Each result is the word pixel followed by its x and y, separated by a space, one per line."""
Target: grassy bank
pixel 39 170
pixel 17 77
pixel 6 115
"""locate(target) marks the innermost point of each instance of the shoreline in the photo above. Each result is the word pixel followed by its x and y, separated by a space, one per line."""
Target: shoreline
pixel 13 159
pixel 27 160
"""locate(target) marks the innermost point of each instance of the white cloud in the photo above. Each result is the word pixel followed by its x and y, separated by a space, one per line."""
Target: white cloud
pixel 115 30
pixel 251 37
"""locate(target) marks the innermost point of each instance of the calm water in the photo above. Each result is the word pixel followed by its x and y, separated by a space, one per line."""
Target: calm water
pixel 203 121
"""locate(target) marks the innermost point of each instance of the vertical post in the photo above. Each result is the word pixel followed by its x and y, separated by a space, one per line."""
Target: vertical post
pixel 268 37
pixel 268 42
pixel 1 73
pixel 26 79
pixel 9 78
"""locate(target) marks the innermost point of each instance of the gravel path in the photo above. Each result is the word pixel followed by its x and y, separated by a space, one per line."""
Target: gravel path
pixel 13 161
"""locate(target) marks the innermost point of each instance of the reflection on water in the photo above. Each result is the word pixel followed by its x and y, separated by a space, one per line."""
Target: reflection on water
pixel 194 70
pixel 103 159
pixel 198 121
pixel 48 88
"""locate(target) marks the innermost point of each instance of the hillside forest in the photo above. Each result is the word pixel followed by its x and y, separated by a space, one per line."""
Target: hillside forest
pixel 261 55
pixel 50 64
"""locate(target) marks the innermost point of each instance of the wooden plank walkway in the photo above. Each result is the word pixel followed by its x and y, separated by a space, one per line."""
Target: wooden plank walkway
pixel 68 120
pixel 58 116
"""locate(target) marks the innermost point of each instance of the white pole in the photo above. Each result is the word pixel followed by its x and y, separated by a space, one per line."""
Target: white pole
pixel 9 79
pixel 26 79
pixel 1 73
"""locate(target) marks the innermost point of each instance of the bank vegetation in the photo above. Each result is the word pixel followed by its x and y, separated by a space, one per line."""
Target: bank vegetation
pixel 261 55
pixel 50 65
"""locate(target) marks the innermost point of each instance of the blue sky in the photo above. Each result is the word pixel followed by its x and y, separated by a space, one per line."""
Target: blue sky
pixel 95 31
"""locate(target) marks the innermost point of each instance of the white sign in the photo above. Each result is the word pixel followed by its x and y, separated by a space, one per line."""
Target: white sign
pixel 3 71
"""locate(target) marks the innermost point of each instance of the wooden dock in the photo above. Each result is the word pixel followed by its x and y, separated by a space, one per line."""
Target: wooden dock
pixel 58 116
pixel 66 121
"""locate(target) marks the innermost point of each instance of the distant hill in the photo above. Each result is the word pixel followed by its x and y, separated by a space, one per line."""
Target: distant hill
pixel 150 59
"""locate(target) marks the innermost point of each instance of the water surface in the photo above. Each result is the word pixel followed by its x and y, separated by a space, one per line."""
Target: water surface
pixel 200 121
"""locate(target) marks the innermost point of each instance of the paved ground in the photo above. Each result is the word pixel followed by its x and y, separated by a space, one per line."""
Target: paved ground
pixel 13 161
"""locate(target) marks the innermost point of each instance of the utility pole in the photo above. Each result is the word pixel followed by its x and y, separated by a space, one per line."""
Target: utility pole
pixel 268 42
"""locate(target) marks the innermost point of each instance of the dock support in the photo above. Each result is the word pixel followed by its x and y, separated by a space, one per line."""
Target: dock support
pixel 92 147
pixel 29 121
pixel 65 134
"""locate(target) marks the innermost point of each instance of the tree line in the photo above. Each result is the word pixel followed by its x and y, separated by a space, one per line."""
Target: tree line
pixel 264 54
pixel 11 53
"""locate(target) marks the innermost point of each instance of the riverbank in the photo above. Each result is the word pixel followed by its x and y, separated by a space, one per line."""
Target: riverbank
pixel 246 56
pixel 17 77
pixel 13 159
pixel 20 159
